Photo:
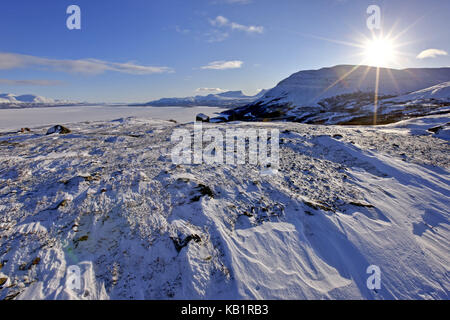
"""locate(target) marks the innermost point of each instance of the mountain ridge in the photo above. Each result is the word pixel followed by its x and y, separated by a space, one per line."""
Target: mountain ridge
pixel 226 99
pixel 345 91
pixel 10 99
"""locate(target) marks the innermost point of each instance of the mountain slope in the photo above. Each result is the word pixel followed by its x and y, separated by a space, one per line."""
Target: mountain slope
pixel 306 88
pixel 225 99
pixel 318 96
pixel 439 92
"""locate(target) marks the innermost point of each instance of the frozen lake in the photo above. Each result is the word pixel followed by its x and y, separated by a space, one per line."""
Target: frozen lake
pixel 14 119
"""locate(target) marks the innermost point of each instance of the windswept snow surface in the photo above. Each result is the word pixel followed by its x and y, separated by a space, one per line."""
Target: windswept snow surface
pixel 108 199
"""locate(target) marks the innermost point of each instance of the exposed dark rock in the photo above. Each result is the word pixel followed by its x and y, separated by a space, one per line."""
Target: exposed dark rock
pixel 180 244
pixel 317 206
pixel 435 129
pixel 202 117
pixel 83 238
pixel 12 296
pixel 204 191
pixel 58 129
pixel 359 204
pixel 36 261
pixel 63 203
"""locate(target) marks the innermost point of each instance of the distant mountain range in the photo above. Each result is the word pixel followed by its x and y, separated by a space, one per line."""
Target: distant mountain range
pixel 27 100
pixel 225 99
pixel 345 94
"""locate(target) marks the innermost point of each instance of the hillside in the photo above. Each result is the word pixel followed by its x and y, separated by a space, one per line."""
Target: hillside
pixel 224 99
pixel 346 94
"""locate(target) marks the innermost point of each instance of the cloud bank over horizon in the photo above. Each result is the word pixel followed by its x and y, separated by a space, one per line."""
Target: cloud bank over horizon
pixel 83 66
pixel 209 90
pixel 32 82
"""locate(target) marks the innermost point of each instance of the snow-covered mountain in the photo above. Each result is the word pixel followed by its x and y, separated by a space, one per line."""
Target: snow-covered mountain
pixel 226 99
pixel 25 100
pixel 306 88
pixel 345 93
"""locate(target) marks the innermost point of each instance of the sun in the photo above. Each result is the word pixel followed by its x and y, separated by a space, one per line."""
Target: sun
pixel 379 52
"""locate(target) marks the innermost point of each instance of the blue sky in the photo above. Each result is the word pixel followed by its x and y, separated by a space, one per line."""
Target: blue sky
pixel 139 50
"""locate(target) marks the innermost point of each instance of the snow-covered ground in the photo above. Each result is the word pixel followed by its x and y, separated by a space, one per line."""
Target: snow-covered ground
pixel 14 119
pixel 108 199
pixel 440 91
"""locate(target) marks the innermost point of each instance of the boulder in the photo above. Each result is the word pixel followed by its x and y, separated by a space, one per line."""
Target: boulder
pixel 58 129
pixel 202 117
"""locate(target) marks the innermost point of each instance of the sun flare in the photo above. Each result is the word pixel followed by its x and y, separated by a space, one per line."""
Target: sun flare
pixel 379 52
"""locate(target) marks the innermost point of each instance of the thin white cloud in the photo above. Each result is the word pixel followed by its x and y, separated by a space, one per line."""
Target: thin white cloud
pixel 249 29
pixel 221 22
pixel 223 65
pixel 36 82
pixel 232 1
pixel 181 30
pixel 217 36
pixel 209 90
pixel 83 66
pixel 238 1
pixel 431 53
